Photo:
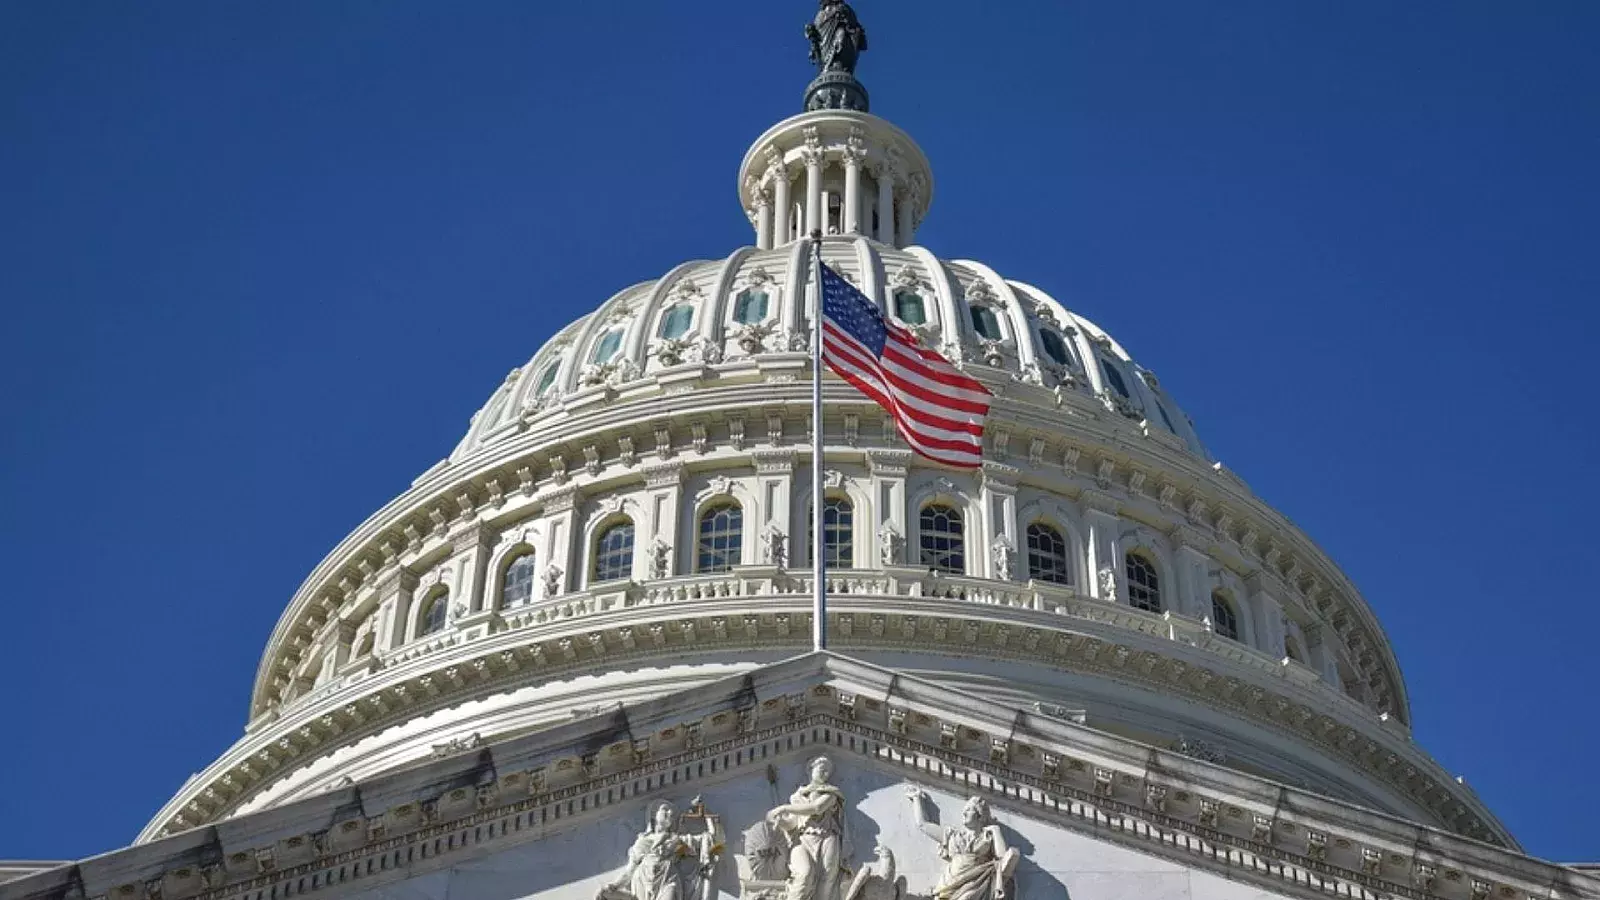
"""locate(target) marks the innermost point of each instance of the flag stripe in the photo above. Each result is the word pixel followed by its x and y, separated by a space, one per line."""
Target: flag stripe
pixel 938 409
pixel 925 415
pixel 952 452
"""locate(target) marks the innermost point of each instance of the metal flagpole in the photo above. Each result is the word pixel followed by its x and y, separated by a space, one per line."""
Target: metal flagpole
pixel 819 611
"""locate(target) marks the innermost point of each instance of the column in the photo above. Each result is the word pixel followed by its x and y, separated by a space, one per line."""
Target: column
pixel 1324 658
pixel 664 484
pixel 813 159
pixel 1268 618
pixel 774 491
pixel 764 218
pixel 903 226
pixel 1192 565
pixel 886 520
pixel 999 527
pixel 338 648
pixel 885 177
pixel 852 190
pixel 560 557
pixel 395 592
pixel 780 203
pixel 1106 578
pixel 470 548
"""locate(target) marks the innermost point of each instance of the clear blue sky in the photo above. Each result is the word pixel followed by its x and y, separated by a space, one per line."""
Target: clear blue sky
pixel 261 261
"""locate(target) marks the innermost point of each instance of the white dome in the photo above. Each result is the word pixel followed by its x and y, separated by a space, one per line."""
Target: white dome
pixel 620 519
pixel 688 322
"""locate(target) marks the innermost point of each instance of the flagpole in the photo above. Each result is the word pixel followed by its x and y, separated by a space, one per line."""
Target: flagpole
pixel 819 611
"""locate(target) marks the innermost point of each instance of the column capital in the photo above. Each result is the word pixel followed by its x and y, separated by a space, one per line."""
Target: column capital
pixel 561 499
pixel 397 580
pixel 889 463
pixel 1191 539
pixel 473 535
pixel 1100 502
pixel 998 478
pixel 663 475
pixel 774 462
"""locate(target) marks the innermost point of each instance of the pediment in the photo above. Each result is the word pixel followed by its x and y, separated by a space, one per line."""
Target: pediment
pixel 579 858
pixel 552 814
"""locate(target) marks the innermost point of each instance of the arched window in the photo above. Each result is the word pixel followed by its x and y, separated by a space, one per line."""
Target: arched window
pixel 675 324
pixel 986 324
pixel 434 612
pixel 517 587
pixel 1224 620
pixel 1055 347
pixel 613 553
pixel 365 647
pixel 838 532
pixel 941 538
pixel 1047 555
pixel 547 379
pixel 750 307
pixel 908 308
pixel 1144 585
pixel 609 344
pixel 721 538
pixel 1114 378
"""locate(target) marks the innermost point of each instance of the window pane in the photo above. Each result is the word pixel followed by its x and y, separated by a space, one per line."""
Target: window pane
pixel 608 346
pixel 1056 347
pixel 434 615
pixel 547 379
pixel 985 323
pixel 1047 555
pixel 613 553
pixel 1144 586
pixel 751 307
pixel 675 323
pixel 838 533
pixel 908 308
pixel 721 534
pixel 1114 378
pixel 1223 620
pixel 943 549
pixel 518 588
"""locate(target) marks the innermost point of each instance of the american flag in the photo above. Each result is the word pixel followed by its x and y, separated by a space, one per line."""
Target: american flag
pixel 937 409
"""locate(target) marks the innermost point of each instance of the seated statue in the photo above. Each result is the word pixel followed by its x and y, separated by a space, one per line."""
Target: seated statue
pixel 978 864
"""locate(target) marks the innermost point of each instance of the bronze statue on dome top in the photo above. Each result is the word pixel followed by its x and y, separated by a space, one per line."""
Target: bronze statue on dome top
pixel 837 38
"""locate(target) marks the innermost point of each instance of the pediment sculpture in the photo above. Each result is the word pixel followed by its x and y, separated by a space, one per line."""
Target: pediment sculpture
pixel 978 865
pixel 799 851
pixel 802 851
pixel 674 858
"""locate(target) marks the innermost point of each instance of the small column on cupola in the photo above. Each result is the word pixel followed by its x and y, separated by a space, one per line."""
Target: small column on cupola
pixel 835 167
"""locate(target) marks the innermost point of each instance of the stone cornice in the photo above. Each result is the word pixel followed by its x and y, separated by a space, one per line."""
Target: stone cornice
pixel 939 615
pixel 1110 788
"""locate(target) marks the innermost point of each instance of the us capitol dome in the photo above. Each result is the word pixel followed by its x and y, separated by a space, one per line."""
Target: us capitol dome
pixel 628 515
pixel 601 602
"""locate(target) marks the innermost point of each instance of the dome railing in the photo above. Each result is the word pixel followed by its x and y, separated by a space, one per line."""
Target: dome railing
pixel 783 595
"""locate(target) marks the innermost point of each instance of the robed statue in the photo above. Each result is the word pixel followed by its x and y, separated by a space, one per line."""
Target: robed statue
pixel 836 37
pixel 669 860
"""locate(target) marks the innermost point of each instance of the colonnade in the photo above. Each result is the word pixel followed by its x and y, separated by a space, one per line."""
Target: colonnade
pixel 877 197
